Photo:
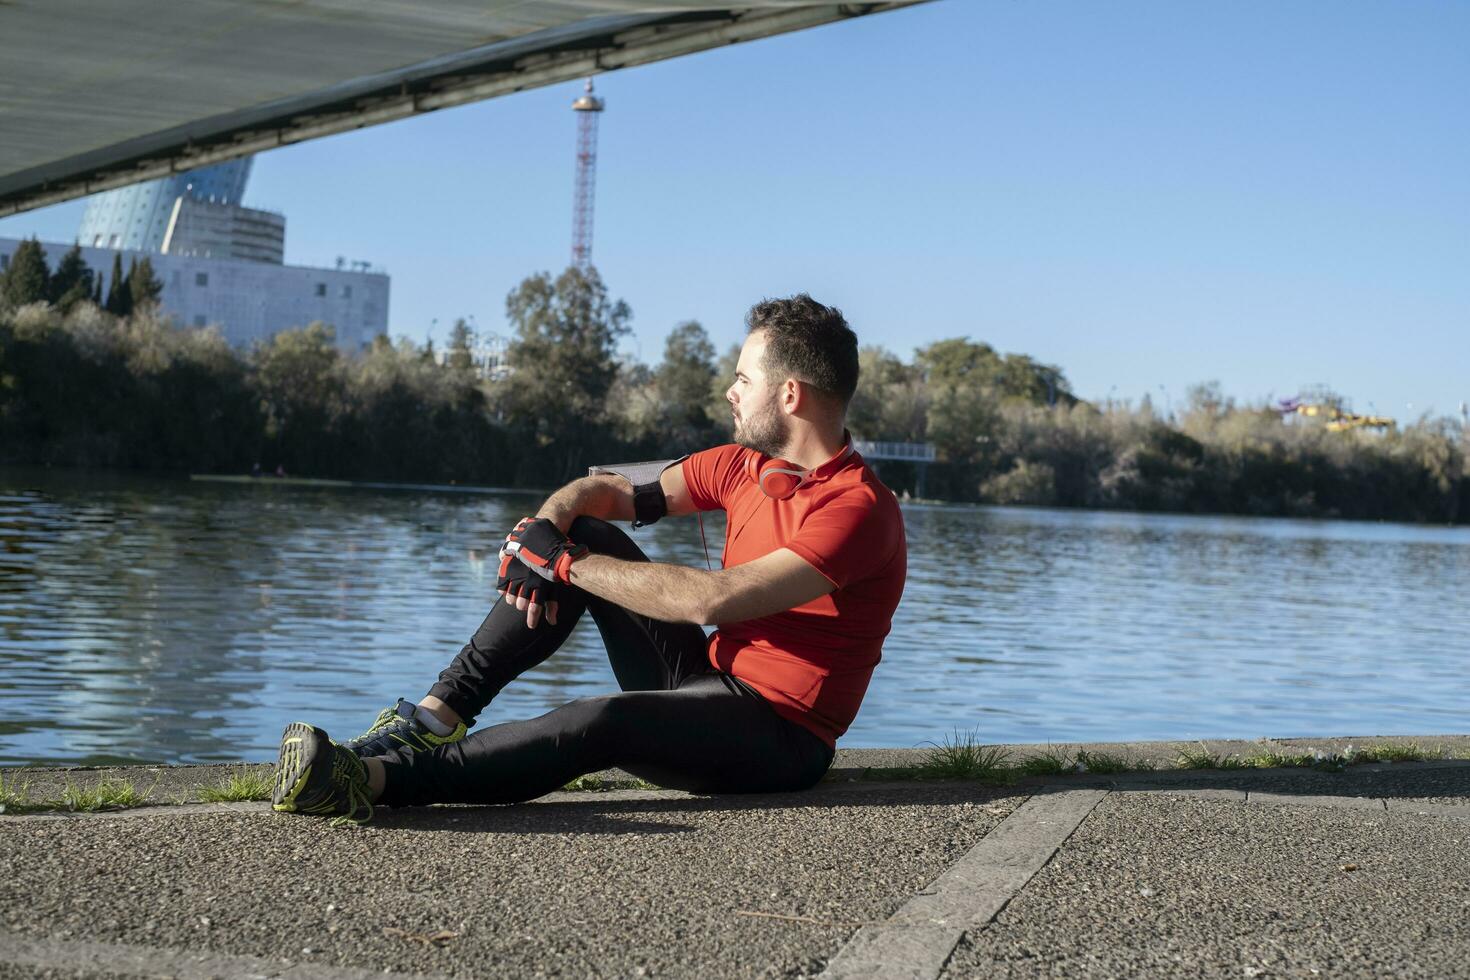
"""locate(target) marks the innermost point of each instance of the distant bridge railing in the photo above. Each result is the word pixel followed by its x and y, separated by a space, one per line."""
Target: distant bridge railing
pixel 917 452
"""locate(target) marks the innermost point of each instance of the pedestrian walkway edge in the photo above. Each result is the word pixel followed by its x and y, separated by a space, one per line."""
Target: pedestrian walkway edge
pixel 154 961
pixel 918 939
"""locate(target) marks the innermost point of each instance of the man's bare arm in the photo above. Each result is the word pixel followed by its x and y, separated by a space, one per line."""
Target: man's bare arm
pixel 674 593
pixel 607 497
pixel 611 498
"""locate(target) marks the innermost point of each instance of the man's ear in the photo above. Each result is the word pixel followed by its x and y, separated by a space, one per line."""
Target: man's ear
pixel 793 396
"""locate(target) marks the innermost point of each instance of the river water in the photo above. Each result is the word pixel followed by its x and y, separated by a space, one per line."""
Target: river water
pixel 152 620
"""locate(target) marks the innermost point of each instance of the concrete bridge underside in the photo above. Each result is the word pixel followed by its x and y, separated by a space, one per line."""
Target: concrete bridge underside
pixel 96 94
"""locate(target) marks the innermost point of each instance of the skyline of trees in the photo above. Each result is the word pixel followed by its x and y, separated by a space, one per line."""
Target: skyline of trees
pixel 84 385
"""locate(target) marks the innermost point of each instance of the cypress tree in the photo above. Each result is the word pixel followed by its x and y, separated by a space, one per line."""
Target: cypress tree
pixel 125 289
pixel 144 287
pixel 97 298
pixel 115 287
pixel 461 357
pixel 27 280
pixel 72 281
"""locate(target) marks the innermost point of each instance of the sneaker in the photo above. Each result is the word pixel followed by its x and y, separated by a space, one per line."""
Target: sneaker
pixel 400 726
pixel 316 776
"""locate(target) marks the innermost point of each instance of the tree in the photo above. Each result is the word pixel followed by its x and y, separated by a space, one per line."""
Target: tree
pixel 144 288
pixel 634 407
pixel 1034 382
pixel 963 380
pixel 413 420
pixel 461 356
pixel 959 363
pixel 72 281
pixel 683 381
pixel 561 359
pixel 27 280
pixel 118 298
pixel 891 402
pixel 717 406
pixel 301 383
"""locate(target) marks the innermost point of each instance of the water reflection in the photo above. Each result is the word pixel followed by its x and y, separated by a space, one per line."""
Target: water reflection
pixel 159 620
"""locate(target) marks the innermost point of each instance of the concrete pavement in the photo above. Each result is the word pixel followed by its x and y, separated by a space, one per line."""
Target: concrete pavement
pixel 1232 874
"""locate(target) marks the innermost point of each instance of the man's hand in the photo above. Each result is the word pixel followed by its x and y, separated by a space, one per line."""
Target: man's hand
pixel 520 584
pixel 539 544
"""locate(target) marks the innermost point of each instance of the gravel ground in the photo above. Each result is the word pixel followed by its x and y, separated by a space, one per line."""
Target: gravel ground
pixel 1444 782
pixel 1164 886
pixel 10 971
pixel 1153 883
pixel 596 885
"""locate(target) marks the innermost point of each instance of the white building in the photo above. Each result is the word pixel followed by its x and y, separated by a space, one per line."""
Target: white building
pixel 224 231
pixel 488 355
pixel 249 300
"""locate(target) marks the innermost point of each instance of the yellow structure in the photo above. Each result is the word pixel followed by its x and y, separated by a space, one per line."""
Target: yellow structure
pixel 1340 421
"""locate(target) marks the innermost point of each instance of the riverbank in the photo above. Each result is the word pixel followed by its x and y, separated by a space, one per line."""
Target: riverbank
pixel 1357 871
pixel 41 790
pixel 87 387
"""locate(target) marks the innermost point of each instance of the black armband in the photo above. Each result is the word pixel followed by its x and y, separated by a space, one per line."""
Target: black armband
pixel 649 502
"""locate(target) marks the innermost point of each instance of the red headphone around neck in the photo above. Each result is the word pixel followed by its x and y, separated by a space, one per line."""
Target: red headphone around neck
pixel 779 479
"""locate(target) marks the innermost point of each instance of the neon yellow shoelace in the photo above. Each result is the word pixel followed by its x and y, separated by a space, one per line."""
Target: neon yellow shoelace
pixel 349 775
pixel 385 718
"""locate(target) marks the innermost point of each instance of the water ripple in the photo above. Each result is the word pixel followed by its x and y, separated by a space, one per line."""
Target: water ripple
pixel 153 620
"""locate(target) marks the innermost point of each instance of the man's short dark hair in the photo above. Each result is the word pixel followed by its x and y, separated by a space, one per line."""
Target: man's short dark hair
pixel 809 342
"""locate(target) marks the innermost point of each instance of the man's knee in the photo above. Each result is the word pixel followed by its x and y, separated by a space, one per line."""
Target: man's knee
pixel 605 538
pixel 600 718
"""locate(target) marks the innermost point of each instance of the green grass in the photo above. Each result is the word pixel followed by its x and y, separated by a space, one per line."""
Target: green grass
pixel 961 757
pixel 109 794
pixel 238 788
pixel 1051 762
pixel 13 798
pixel 1412 752
pixel 1271 759
pixel 596 784
pixel 1201 758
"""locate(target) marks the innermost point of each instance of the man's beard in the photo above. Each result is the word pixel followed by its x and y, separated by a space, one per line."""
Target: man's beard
pixel 767 431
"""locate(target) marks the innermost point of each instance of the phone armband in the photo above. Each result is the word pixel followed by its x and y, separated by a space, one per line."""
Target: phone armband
pixel 649 502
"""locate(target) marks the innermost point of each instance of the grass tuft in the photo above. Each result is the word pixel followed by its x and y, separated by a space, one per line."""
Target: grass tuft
pixel 109 794
pixel 596 784
pixel 1102 763
pixel 962 757
pixel 1412 752
pixel 1051 762
pixel 1201 758
pixel 1272 759
pixel 238 788
pixel 13 798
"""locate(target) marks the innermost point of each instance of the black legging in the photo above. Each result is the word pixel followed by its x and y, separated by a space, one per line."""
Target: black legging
pixel 678 722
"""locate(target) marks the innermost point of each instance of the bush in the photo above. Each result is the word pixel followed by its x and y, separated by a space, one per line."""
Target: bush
pixel 1026 483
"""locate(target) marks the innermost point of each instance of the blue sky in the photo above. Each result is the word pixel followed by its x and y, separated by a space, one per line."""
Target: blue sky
pixel 1146 194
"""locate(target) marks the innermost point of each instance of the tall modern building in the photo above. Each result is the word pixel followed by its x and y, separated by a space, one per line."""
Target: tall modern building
pixel 136 218
pixel 222 264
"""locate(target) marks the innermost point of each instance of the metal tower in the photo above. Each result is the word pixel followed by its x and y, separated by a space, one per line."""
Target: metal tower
pixel 587 108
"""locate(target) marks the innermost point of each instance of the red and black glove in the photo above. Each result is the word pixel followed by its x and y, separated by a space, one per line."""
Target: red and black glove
pixel 517 580
pixel 539 545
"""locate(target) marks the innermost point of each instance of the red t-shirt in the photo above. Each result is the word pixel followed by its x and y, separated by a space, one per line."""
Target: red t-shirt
pixel 812 662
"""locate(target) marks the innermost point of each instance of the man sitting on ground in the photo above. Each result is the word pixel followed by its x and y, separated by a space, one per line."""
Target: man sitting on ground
pixel 814 565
